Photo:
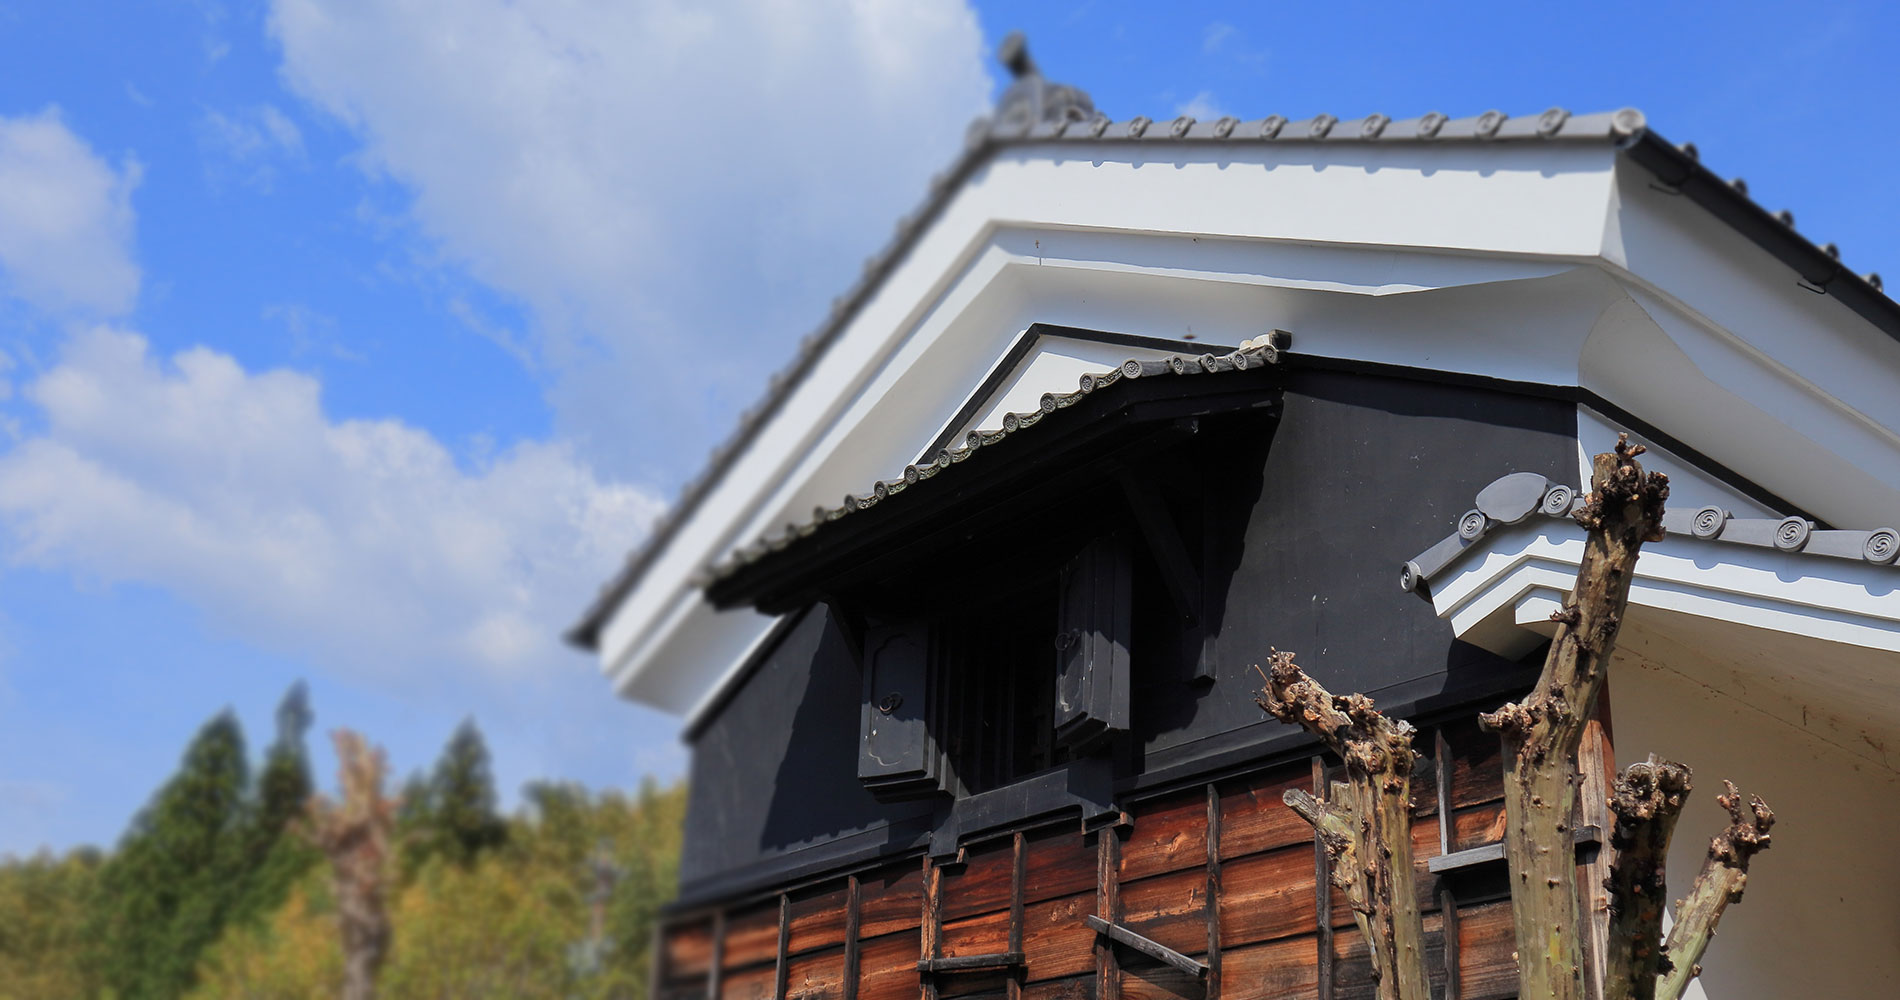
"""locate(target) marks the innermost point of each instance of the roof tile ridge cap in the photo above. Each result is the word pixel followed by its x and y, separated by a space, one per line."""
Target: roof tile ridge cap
pixel 1794 533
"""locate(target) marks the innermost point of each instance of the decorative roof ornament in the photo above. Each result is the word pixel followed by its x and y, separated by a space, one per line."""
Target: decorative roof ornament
pixel 1031 99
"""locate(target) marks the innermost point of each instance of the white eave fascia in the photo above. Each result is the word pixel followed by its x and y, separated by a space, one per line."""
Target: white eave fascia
pixel 1501 596
pixel 975 265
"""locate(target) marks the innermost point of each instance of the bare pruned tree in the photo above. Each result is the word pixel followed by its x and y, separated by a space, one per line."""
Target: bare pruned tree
pixel 355 835
pixel 1365 820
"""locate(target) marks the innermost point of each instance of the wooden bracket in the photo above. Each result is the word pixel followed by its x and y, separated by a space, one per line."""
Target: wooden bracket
pixel 1155 950
pixel 1164 543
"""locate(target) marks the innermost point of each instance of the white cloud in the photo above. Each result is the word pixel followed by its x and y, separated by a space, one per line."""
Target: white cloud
pixel 66 223
pixel 361 544
pixel 1217 34
pixel 1200 107
pixel 668 185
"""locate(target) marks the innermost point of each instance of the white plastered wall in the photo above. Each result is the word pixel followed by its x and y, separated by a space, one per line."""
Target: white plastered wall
pixel 1821 913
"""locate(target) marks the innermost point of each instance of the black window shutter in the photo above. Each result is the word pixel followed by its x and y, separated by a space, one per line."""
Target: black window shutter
pixel 1092 646
pixel 896 758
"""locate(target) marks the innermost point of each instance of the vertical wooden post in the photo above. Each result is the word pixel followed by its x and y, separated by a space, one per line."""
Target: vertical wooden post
pixel 852 906
pixel 932 923
pixel 656 964
pixel 1018 873
pixel 784 938
pixel 1596 768
pixel 1447 900
pixel 1323 891
pixel 714 973
pixel 1213 893
pixel 1108 905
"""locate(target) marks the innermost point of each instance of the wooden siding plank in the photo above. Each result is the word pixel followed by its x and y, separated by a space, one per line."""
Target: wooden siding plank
pixel 818 919
pixel 1168 835
pixel 1268 896
pixel 1273 970
pixel 755 983
pixel 891 900
pixel 983 885
pixel 1072 988
pixel 816 975
pixel 1256 818
pixel 1150 980
pixel 751 936
pixel 1060 862
pixel 985 934
pixel 1168 909
pixel 887 967
pixel 688 950
pixel 1056 943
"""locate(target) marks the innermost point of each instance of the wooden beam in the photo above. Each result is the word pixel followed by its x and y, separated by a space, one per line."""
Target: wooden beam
pixel 1108 907
pixel 1447 899
pixel 1164 543
pixel 853 907
pixel 784 939
pixel 932 929
pixel 1018 875
pixel 1596 769
pixel 1213 893
pixel 1322 893
pixel 1153 949
pixel 718 955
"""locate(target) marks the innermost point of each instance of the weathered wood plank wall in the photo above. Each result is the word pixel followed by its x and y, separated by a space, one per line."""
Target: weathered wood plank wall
pixel 1222 873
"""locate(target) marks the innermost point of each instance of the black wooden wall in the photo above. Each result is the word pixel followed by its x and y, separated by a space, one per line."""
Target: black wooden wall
pixel 1313 518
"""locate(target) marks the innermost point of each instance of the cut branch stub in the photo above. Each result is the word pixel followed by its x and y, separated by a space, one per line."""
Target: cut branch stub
pixel 1723 876
pixel 1367 825
pixel 1647 799
pixel 1541 733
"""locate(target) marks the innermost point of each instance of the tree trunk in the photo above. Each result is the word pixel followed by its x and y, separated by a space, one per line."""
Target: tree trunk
pixel 1720 883
pixel 1541 734
pixel 1367 824
pixel 1648 799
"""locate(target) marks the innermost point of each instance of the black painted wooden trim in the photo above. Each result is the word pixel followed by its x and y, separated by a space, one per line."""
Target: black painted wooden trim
pixel 723 696
pixel 1570 394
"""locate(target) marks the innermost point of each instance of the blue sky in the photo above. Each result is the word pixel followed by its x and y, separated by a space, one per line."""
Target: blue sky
pixel 357 342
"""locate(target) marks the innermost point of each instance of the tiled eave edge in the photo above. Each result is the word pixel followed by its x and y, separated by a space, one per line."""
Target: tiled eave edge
pixel 1676 167
pixel 1516 553
pixel 1251 355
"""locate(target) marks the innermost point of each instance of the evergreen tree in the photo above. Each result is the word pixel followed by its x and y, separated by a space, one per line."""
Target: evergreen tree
pixel 166 894
pixel 460 815
pixel 268 860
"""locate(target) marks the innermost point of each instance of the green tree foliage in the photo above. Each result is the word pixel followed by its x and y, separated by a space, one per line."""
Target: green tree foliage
pixel 527 919
pixel 455 815
pixel 43 926
pixel 165 894
pixel 270 859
